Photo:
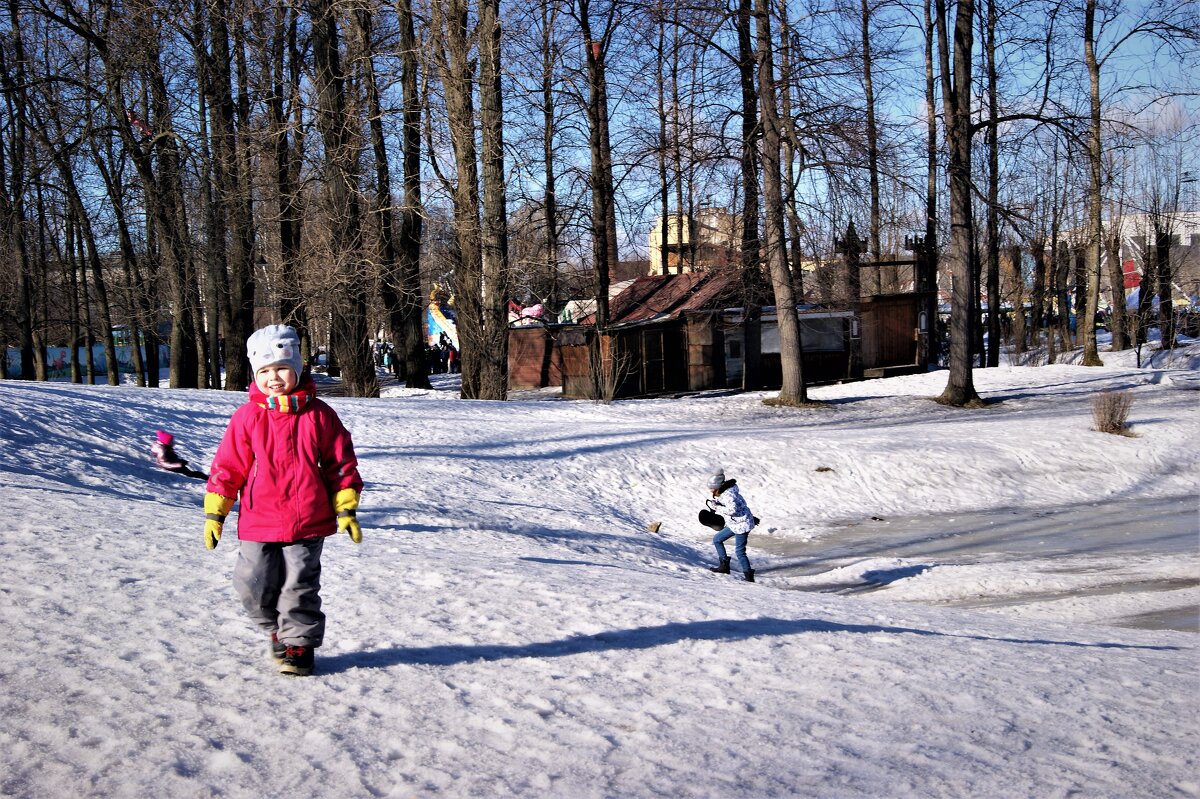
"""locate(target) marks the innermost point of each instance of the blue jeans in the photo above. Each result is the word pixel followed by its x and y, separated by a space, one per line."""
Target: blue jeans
pixel 739 546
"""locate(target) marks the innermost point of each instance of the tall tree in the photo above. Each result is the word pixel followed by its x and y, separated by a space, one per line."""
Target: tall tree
pixel 604 226
pixel 1095 224
pixel 452 52
pixel 749 255
pixel 412 343
pixel 793 390
pixel 286 132
pixel 494 234
pixel 955 58
pixel 927 280
pixel 337 125
pixel 13 158
pixel 387 247
pixel 232 194
pixel 992 238
pixel 872 143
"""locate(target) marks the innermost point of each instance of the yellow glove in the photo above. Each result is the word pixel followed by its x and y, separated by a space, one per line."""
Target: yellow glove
pixel 345 504
pixel 216 508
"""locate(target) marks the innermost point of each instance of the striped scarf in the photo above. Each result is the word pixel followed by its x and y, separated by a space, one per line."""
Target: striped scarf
pixel 288 403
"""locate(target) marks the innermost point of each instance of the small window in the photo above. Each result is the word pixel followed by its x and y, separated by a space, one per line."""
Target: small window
pixel 735 348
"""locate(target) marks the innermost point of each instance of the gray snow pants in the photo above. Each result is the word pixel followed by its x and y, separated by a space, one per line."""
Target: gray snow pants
pixel 280 586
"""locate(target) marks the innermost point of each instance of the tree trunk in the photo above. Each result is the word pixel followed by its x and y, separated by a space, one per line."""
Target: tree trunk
pixel 99 284
pixel 1086 321
pixel 1016 282
pixel 387 251
pixel 137 291
pixel 72 281
pixel 89 358
pixel 348 327
pixel 993 191
pixel 162 186
pixel 412 343
pixel 956 99
pixel 33 359
pixel 751 279
pixel 792 148
pixel 452 49
pixel 494 356
pixel 1062 295
pixel 664 185
pixel 216 298
pixel 232 198
pixel 603 228
pixel 1162 263
pixel 1038 296
pixel 289 155
pixel 549 126
pixel 930 245
pixel 793 391
pixel 1118 324
pixel 872 147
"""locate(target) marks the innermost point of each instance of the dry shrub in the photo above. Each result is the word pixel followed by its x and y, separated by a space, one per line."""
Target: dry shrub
pixel 609 367
pixel 1038 356
pixel 1110 411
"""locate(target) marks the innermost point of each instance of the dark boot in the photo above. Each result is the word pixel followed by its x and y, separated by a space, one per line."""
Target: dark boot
pixel 721 568
pixel 297 660
pixel 749 575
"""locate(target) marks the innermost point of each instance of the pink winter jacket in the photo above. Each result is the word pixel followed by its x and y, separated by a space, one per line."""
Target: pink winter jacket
pixel 287 466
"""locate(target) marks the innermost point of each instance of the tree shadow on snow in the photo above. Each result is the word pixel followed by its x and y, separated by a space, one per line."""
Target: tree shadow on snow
pixel 649 638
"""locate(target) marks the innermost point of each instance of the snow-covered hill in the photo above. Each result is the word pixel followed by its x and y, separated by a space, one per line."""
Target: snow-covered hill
pixel 509 627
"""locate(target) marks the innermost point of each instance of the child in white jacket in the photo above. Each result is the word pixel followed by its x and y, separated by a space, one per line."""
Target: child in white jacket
pixel 727 501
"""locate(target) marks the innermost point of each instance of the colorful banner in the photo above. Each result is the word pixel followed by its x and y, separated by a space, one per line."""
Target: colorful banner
pixel 58 361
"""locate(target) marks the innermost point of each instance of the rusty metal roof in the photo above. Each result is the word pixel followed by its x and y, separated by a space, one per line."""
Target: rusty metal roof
pixel 663 297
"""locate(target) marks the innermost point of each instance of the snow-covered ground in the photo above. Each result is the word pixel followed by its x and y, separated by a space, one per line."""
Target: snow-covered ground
pixel 510 627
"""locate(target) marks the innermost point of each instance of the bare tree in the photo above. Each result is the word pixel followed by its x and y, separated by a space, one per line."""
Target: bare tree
pixel 955 58
pixel 452 53
pixel 493 353
pixel 337 125
pixel 232 194
pixel 793 390
pixel 604 226
pixel 14 152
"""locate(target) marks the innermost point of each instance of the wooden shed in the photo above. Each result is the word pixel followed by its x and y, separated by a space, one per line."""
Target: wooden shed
pixel 892 328
pixel 826 335
pixel 675 334
pixel 534 357
pixel 664 337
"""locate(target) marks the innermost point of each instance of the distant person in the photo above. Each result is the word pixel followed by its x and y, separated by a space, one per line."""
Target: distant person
pixel 431 358
pixel 288 456
pixel 727 501
pixel 452 364
pixel 163 450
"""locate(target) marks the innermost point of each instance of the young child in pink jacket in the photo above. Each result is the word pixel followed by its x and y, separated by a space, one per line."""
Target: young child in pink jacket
pixel 289 459
pixel 163 450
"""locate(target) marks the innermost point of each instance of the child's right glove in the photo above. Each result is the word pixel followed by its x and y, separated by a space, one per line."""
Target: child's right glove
pixel 216 508
pixel 345 505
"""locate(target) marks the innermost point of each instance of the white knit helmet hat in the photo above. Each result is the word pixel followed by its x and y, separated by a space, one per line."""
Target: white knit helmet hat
pixel 717 479
pixel 274 344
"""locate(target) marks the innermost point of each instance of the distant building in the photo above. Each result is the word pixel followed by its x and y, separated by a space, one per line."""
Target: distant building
pixel 1137 251
pixel 713 239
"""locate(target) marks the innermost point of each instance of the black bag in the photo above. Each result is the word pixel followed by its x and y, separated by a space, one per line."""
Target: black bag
pixel 714 520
